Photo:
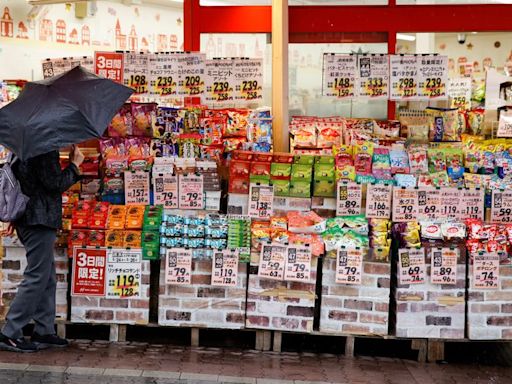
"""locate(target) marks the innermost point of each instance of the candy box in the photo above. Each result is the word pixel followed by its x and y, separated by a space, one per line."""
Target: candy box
pixel 91 163
pixel 135 217
pixel 324 188
pixel 242 155
pixel 81 213
pixel 301 172
pixel 261 179
pixel 116 217
pixel 239 168
pixel 300 188
pixel 96 238
pixel 99 215
pixel 150 245
pixel 324 160
pixel 281 157
pixel 238 184
pixel 304 159
pixel 90 185
pixel 77 238
pixel 152 218
pixel 132 239
pixel 282 170
pixel 260 168
pixel 324 171
pixel 114 238
pixel 262 156
pixel 281 187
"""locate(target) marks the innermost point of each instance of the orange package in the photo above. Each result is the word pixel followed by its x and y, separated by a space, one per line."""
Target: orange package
pixel 132 239
pixel 114 238
pixel 135 217
pixel 116 217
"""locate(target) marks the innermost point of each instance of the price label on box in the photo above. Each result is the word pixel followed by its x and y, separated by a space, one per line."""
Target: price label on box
pixel 411 266
pixel 405 204
pixel 298 263
pixel 165 190
pixel 472 204
pixel 261 201
pixel 486 270
pixel 501 206
pixel 191 195
pixel 444 265
pixel 378 201
pixel 225 268
pixel 124 273
pixel 272 261
pixel 136 188
pixel 178 266
pixel 349 198
pixel 349 266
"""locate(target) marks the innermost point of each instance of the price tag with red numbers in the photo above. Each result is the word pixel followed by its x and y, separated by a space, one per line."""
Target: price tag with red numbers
pixel 411 266
pixel 444 265
pixel 178 266
pixel 225 268
pixel 349 266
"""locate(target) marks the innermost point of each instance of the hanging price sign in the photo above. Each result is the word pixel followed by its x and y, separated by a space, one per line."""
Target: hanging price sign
pixel 272 261
pixel 373 71
pixel 348 198
pixel 136 187
pixel 504 125
pixel 349 266
pixel 486 270
pixel 190 69
pixel 163 75
pixel 178 266
pixel 444 265
pixel 55 67
pixel 411 266
pixel 165 190
pixel 378 201
pixel 261 200
pixel 225 268
pixel 248 80
pixel 472 204
pixel 136 74
pixel 429 203
pixel 450 202
pixel 124 273
pixel 298 264
pixel 404 77
pixel 501 206
pixel 405 204
pixel 219 78
pixel 339 76
pixel 191 195
pixel 459 91
pixel 432 77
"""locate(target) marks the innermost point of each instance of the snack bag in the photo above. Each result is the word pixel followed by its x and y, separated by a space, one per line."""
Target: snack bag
pixel 305 136
pixel 444 124
pixel 327 136
pixel 121 124
pixel 381 166
pixel 143 115
pixel 418 159
pixel 363 158
pixel 476 121
pixel 399 161
pixel 436 160
pixel 166 122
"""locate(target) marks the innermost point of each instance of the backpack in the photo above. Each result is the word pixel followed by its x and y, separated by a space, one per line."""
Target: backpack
pixel 13 202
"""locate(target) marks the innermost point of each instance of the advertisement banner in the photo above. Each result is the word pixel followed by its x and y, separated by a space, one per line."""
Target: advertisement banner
pixel 89 272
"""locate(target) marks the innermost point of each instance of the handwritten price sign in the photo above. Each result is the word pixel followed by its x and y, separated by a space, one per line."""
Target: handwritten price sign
pixel 432 77
pixel 349 198
pixel 272 261
pixel 378 201
pixel 404 77
pixel 136 188
pixel 411 265
pixel 191 189
pixel 261 200
pixel 405 204
pixel 340 73
pixel 486 270
pixel 373 79
pixel 444 265
pixel 225 268
pixel 178 266
pixel 349 266
pixel 136 74
pixel 298 264
pixel 501 206
pixel 165 189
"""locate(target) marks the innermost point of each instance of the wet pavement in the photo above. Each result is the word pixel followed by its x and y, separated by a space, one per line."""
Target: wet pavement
pixel 141 363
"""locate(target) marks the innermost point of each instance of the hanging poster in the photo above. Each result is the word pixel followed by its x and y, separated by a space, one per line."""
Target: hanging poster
pixel 165 190
pixel 163 76
pixel 349 266
pixel 432 77
pixel 178 266
pixel 272 261
pixel 411 266
pixel 298 263
pixel 109 65
pixel 339 76
pixel 403 77
pixel 190 69
pixel 225 268
pixel 88 275
pixel 459 91
pixel 444 265
pixel 248 80
pixel 136 187
pixel 501 206
pixel 486 270
pixel 373 79
pixel 219 79
pixel 261 200
pixel 124 273
pixel 405 204
pixel 378 201
pixel 349 198
pixel 191 191
pixel 136 74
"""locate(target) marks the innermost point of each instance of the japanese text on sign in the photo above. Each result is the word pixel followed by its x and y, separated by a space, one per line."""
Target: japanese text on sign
pixel 403 77
pixel 219 79
pixel 190 70
pixel 378 201
pixel 165 189
pixel 55 67
pixel 411 266
pixel 191 191
pixel 444 265
pixel 405 204
pixel 163 77
pixel 261 200
pixel 432 77
pixel 89 272
pixel 349 198
pixel 339 76
pixel 272 261
pixel 459 91
pixel 109 65
pixel 136 74
pixel 349 266
pixel 248 80
pixel 472 204
pixel 298 263
pixel 178 266
pixel 501 206
pixel 373 71
pixel 124 273
pixel 225 268
pixel 486 270
pixel 136 189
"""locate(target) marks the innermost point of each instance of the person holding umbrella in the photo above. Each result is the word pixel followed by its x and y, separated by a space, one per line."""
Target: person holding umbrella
pixel 48 115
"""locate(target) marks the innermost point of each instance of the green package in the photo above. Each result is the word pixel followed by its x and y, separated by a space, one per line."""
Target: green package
pixel 324 188
pixel 324 172
pixel 300 188
pixel 150 245
pixel 262 179
pixel 281 187
pixel 280 169
pixel 324 160
pixel 304 159
pixel 152 218
pixel 302 172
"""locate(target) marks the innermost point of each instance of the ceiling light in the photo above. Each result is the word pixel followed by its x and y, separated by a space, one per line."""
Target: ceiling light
pixel 401 36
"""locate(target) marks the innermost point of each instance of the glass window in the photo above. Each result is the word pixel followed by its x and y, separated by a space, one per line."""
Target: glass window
pixel 305 79
pixel 252 45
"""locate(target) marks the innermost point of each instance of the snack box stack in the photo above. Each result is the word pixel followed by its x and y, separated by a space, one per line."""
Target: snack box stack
pixel 89 222
pixel 280 173
pixel 150 239
pixel 211 184
pixel 324 180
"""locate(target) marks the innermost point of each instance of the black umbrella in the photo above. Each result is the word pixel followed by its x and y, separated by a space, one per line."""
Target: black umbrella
pixel 60 111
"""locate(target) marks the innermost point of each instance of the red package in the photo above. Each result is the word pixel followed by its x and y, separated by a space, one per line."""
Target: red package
pixel 81 213
pixel 236 123
pixel 280 157
pixel 77 238
pixel 99 215
pixel 260 168
pixel 239 168
pixel 91 164
pixel 238 184
pixel 96 239
pixel 474 246
pixel 233 143
pixel 242 155
pixel 262 156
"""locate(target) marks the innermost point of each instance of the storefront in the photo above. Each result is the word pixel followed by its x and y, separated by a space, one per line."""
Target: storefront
pixel 327 167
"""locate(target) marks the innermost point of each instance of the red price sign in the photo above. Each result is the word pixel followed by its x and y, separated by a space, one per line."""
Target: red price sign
pixel 411 265
pixel 136 187
pixel 298 264
pixel 89 272
pixel 191 194
pixel 444 265
pixel 109 65
pixel 165 189
pixel 178 266
pixel 349 198
pixel 272 261
pixel 486 270
pixel 349 266
pixel 225 268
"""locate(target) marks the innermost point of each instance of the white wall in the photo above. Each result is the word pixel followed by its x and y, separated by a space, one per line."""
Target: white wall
pixel 22 52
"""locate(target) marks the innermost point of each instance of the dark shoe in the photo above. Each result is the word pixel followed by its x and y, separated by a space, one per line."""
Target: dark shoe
pixel 16 345
pixel 49 341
